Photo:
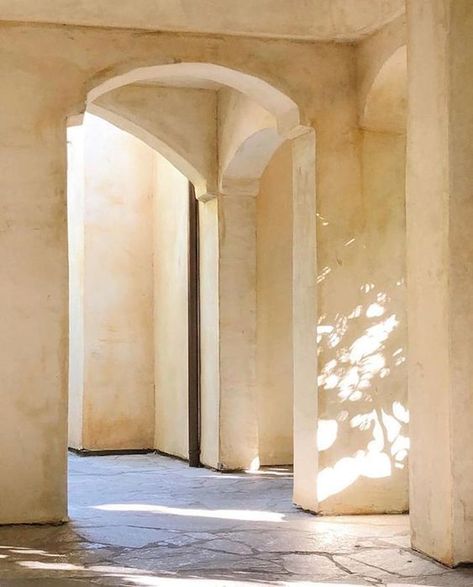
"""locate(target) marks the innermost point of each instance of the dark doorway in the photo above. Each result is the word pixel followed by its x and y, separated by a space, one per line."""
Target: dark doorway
pixel 194 331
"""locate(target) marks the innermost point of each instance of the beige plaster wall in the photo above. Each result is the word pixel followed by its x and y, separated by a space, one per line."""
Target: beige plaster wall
pixel 274 310
pixel 180 123
pixel 309 20
pixel 51 83
pixel 238 425
pixel 209 342
pixel 247 138
pixel 128 237
pixel 33 295
pixel 171 211
pixel 363 432
pixel 440 257
pixel 118 399
pixel 75 221
pixel 362 332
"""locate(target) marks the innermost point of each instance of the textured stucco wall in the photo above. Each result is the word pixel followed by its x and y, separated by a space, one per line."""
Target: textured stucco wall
pixel 180 123
pixel 274 310
pixel 362 330
pixel 363 434
pixel 128 236
pixel 209 342
pixel 170 308
pixel 440 257
pixel 75 220
pixel 118 398
pixel 46 86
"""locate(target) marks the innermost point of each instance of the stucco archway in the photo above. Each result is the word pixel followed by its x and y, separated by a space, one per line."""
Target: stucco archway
pixel 158 143
pixel 223 217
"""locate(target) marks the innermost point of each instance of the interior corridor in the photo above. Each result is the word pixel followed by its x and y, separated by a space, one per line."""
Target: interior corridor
pixel 151 520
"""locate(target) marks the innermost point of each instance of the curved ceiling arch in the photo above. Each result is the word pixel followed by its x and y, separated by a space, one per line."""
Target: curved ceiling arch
pixel 385 107
pixel 153 141
pixel 283 108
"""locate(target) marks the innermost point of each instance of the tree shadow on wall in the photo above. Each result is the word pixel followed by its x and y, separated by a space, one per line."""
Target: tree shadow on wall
pixel 362 381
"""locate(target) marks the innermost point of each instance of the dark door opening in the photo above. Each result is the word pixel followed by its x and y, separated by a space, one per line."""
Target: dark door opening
pixel 194 331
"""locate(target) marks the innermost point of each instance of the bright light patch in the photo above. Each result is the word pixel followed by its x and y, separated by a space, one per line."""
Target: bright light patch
pixel 243 515
pixel 374 311
pixel 326 434
pixel 254 465
pixel 401 412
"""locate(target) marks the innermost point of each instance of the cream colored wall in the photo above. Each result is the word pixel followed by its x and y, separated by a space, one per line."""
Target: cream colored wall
pixel 133 217
pixel 247 138
pixel 118 399
pixel 49 84
pixel 440 259
pixel 170 308
pixel 180 123
pixel 209 341
pixel 309 20
pixel 75 220
pixel 274 310
pixel 363 434
pixel 362 332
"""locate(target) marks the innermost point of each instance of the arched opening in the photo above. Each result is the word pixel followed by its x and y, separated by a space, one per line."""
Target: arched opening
pixel 227 185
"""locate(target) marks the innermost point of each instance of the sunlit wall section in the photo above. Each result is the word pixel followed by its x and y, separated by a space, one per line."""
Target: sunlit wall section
pixel 111 303
pixel 274 310
pixel 363 429
pixel 170 254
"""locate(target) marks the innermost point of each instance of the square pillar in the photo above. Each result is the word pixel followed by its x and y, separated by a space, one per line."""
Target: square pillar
pixel 33 299
pixel 440 276
pixel 304 321
pixel 229 425
pixel 237 331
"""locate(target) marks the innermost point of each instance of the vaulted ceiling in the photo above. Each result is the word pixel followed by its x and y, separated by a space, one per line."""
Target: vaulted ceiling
pixel 318 20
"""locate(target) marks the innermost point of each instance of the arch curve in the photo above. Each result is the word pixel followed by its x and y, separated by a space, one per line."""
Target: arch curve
pixel 283 108
pixel 243 173
pixel 182 164
pixel 385 105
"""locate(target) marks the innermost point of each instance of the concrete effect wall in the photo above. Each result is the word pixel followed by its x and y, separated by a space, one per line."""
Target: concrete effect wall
pixel 171 218
pixel 118 397
pixel 274 310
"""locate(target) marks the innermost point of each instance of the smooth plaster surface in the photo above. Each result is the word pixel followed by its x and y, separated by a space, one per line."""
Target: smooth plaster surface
pixel 75 226
pixel 323 87
pixel 362 323
pixel 312 19
pixel 179 123
pixel 118 398
pixel 274 310
pixel 170 251
pixel 439 216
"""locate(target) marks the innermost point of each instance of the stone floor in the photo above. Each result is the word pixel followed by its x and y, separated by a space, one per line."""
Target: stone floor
pixel 150 520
